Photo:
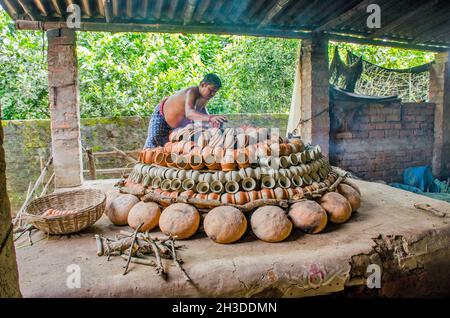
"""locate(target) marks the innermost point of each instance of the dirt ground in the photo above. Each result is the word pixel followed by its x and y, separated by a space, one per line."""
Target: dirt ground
pixel 410 246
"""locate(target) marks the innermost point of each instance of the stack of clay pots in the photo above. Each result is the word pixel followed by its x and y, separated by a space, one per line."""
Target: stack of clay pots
pixel 232 165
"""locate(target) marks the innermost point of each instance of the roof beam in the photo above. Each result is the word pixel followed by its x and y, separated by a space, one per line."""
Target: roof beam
pixel 129 8
pixel 57 6
pixel 29 9
pixel 115 8
pixel 172 9
pixel 86 8
pixel 403 18
pixel 201 9
pixel 189 11
pixel 144 9
pixel 236 14
pixel 101 9
pixel 41 7
pixel 10 8
pixel 277 8
pixel 215 10
pixel 107 8
pixel 158 8
pixel 347 15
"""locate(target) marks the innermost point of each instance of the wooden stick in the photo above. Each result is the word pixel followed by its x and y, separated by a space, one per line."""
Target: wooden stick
pixel 429 208
pixel 99 245
pixel 159 266
pixel 128 157
pixel 131 248
pixel 91 164
pixel 36 184
pixel 177 263
pixel 44 191
pixel 141 261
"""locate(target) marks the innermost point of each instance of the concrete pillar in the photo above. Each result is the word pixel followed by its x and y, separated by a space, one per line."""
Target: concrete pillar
pixel 309 114
pixel 440 95
pixel 64 108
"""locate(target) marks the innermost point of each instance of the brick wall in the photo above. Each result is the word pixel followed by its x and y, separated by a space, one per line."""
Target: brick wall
pixel 384 139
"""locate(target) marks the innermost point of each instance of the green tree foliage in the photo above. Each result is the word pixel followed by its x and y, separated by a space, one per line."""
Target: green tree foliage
pixel 129 73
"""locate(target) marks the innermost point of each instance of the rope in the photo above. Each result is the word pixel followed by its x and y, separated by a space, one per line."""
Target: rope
pixel 302 121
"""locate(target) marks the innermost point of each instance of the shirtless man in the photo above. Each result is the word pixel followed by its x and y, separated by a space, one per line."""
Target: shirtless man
pixel 182 108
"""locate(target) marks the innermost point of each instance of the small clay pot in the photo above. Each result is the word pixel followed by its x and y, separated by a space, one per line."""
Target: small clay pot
pixel 149 156
pixel 297 181
pixel 248 184
pixel 171 159
pixel 206 152
pixel 254 195
pixel 165 184
pixel 267 194
pixel 242 159
pixel 156 182
pixel 241 197
pixel 168 147
pixel 216 186
pixel 227 198
pixel 228 163
pixel 188 184
pixel 182 162
pixel 202 187
pixel 290 193
pixel 187 194
pixel 174 194
pixel 211 162
pixel 231 187
pixel 280 193
pixel 196 162
pixel 268 182
pixel 284 182
pixel 214 196
pixel 175 184
pixel 160 159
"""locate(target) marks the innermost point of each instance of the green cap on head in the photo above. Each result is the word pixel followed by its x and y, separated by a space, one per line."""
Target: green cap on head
pixel 212 79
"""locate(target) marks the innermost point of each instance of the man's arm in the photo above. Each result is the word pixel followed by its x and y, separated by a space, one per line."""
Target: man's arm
pixel 195 115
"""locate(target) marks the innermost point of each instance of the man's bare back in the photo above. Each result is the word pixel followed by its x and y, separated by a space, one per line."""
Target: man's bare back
pixel 184 106
pixel 175 106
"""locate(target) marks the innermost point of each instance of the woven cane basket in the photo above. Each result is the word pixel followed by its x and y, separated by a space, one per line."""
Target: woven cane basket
pixel 89 205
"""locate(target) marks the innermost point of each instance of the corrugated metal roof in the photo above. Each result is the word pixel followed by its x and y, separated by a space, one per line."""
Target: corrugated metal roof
pixel 408 23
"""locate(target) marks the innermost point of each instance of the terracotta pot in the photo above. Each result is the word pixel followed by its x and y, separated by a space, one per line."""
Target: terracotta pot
pixel 297 181
pixel 160 159
pixel 171 160
pixel 218 152
pixel 182 162
pixel 299 192
pixel 211 162
pixel 267 194
pixel 206 151
pixel 315 186
pixel 165 184
pixel 284 162
pixel 216 186
pixel 165 194
pixel 175 185
pixel 196 162
pixel 227 198
pixel 242 141
pixel 280 193
pixel 156 182
pixel 187 194
pixel 168 147
pixel 301 157
pixel 173 135
pixel 327 183
pixel 268 182
pixel 284 182
pixel 202 187
pixel 214 196
pixel 228 163
pixel 242 159
pixel 263 150
pixel 188 147
pixel 248 184
pixel 307 180
pixel 157 191
pixel 315 176
pixel 290 193
pixel 229 141
pixel 254 195
pixel 149 156
pixel 141 156
pixel 241 197
pixel 197 151
pixel 174 194
pixel 188 184
pixel 231 187
pixel 178 147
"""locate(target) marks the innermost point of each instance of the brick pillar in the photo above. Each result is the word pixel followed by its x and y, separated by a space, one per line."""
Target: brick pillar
pixel 64 107
pixel 312 122
pixel 440 95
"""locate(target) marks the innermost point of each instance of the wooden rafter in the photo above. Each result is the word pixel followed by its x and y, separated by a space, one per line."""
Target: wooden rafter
pixel 143 9
pixel 41 7
pixel 107 8
pixel 201 9
pixel 276 9
pixel 172 9
pixel 237 12
pixel 86 8
pixel 100 8
pixel 157 9
pixel 346 16
pixel 385 29
pixel 10 8
pixel 189 11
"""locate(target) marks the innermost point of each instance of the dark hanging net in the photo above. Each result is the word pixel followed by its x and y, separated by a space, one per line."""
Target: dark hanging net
pixel 365 78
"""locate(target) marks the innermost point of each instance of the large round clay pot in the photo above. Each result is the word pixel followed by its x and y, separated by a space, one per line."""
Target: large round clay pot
pixel 308 216
pixel 225 224
pixel 179 220
pixel 145 213
pixel 338 208
pixel 270 224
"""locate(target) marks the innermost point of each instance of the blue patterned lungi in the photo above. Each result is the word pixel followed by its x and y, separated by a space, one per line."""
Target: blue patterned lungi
pixel 158 130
